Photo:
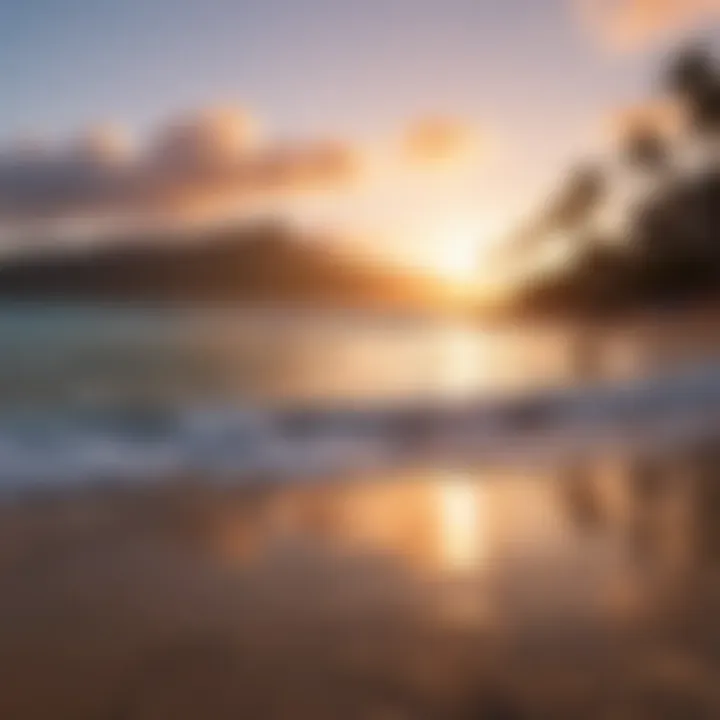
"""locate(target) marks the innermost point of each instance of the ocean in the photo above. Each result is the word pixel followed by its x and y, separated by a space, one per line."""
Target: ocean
pixel 91 394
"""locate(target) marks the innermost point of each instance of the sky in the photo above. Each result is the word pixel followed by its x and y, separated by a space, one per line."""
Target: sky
pixel 398 88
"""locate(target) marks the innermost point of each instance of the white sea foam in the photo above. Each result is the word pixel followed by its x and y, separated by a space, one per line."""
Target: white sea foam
pixel 141 443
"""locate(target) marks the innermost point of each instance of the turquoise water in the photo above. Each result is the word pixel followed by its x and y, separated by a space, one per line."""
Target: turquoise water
pixel 71 355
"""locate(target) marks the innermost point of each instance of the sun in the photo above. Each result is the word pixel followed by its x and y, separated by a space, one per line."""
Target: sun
pixel 458 250
pixel 458 261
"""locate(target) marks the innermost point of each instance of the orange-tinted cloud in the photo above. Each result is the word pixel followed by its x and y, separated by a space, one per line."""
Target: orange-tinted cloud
pixel 105 144
pixel 435 141
pixel 209 162
pixel 662 118
pixel 211 138
pixel 628 24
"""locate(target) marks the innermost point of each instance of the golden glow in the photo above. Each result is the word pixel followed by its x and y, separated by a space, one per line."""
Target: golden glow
pixel 458 252
pixel 461 361
pixel 462 523
pixel 461 245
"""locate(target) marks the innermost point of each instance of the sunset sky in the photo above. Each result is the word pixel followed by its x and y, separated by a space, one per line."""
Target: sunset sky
pixel 431 122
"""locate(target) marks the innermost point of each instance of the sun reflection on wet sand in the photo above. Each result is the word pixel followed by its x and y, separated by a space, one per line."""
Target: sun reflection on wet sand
pixel 462 515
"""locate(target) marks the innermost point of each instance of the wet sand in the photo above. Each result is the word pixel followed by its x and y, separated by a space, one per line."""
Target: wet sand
pixel 578 593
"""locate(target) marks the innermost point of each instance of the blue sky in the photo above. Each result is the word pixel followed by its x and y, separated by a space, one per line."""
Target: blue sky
pixel 306 63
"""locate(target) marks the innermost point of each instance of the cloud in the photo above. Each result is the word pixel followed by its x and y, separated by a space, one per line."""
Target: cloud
pixel 629 24
pixel 211 138
pixel 212 161
pixel 662 118
pixel 440 141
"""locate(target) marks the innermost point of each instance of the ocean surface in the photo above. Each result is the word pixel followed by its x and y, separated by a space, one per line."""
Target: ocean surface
pixel 93 394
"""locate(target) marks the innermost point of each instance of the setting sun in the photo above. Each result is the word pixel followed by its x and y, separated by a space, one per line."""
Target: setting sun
pixel 459 247
pixel 458 256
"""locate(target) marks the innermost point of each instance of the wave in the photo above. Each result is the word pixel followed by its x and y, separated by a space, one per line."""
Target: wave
pixel 97 444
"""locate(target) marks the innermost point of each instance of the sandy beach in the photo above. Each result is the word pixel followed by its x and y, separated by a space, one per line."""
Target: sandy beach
pixel 357 600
